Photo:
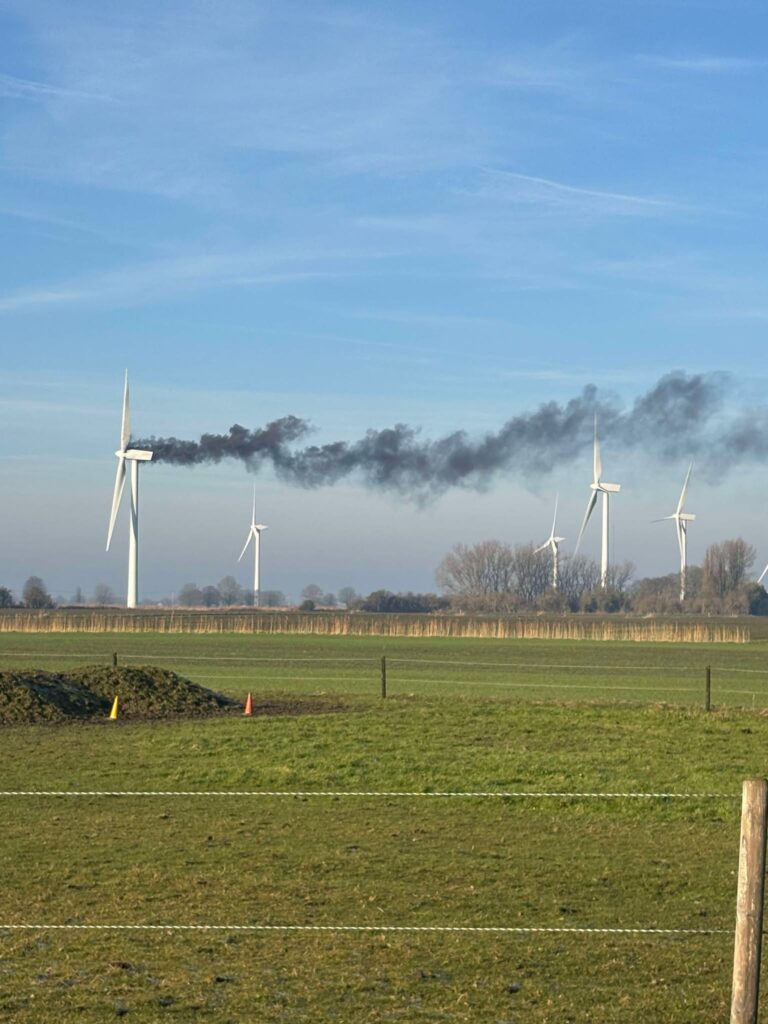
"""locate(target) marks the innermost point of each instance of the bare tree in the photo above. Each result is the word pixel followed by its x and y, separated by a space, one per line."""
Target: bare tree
pixel 210 596
pixel 230 591
pixel 35 594
pixel 348 596
pixel 103 594
pixel 726 566
pixel 619 576
pixel 487 568
pixel 312 592
pixel 578 575
pixel 190 596
pixel 533 573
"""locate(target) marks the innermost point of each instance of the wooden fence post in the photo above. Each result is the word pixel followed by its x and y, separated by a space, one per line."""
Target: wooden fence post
pixel 708 689
pixel 383 675
pixel 749 903
pixel 114 659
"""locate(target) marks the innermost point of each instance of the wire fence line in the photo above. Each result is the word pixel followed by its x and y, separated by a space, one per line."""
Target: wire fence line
pixel 336 793
pixel 374 928
pixel 501 666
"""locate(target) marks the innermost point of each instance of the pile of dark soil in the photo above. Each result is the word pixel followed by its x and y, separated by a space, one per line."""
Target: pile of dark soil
pixel 144 692
pixel 38 696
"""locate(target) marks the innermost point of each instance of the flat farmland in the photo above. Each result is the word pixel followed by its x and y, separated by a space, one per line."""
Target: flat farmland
pixel 514 669
pixel 227 863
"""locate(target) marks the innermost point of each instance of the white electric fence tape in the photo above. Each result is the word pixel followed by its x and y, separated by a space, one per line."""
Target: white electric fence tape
pixel 359 928
pixel 522 794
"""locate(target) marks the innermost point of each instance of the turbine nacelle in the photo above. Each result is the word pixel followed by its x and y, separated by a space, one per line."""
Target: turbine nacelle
pixel 605 488
pixel 135 454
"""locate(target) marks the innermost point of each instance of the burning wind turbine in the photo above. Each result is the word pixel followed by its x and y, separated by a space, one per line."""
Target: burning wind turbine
pixel 134 456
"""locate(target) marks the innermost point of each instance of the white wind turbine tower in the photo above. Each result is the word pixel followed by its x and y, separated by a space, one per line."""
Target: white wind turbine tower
pixel 254 534
pixel 681 520
pixel 553 543
pixel 599 487
pixel 134 456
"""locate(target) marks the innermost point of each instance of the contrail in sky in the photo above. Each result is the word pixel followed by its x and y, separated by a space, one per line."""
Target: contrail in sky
pixel 680 417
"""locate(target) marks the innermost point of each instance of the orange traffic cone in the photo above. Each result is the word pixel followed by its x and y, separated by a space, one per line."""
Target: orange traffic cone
pixel 248 705
pixel 113 712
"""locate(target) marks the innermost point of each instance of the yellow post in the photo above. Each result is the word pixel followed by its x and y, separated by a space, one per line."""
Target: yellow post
pixel 113 712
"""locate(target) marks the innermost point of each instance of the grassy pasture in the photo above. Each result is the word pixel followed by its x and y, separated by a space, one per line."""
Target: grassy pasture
pixel 382 861
pixel 514 669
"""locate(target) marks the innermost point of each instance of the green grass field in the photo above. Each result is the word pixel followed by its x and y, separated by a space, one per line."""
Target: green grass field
pixel 514 669
pixel 620 718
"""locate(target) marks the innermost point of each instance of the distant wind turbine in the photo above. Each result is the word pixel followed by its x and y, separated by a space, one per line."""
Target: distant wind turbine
pixel 681 520
pixel 553 543
pixel 134 456
pixel 599 487
pixel 254 534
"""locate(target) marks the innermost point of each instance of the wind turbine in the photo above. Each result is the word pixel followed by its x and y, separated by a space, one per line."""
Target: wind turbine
pixel 254 534
pixel 553 543
pixel 682 519
pixel 134 456
pixel 599 487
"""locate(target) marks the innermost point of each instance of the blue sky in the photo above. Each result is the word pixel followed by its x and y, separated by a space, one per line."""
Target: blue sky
pixel 437 213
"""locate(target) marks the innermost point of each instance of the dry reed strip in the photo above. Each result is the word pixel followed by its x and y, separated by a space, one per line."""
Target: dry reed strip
pixel 359 624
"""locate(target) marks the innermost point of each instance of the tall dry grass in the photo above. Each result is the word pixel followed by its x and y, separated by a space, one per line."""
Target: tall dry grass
pixel 358 624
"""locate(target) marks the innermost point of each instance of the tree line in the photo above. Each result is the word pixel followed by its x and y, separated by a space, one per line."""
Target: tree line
pixel 493 576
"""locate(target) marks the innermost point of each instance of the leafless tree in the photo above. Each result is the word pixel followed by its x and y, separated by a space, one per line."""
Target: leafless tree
pixel 482 576
pixel 533 573
pixel 726 566
pixel 619 576
pixel 578 576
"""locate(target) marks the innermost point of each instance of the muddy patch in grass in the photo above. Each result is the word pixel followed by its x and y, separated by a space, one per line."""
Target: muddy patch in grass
pixel 144 692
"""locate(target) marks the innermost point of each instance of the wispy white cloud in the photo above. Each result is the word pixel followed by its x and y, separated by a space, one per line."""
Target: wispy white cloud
pixel 159 279
pixel 514 187
pixel 13 87
pixel 705 64
pixel 419 319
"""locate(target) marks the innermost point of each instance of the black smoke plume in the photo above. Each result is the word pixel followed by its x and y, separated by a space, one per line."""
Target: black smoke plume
pixel 678 418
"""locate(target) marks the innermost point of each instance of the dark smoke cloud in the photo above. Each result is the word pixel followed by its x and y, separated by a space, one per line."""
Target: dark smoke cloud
pixel 677 418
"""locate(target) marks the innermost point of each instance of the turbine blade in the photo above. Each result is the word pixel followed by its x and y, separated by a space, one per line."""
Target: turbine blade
pixel 554 520
pixel 684 493
pixel 590 509
pixel 245 546
pixel 116 496
pixel 541 547
pixel 598 464
pixel 253 514
pixel 125 425
pixel 762 574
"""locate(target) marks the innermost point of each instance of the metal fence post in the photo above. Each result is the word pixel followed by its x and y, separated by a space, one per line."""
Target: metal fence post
pixel 749 903
pixel 383 675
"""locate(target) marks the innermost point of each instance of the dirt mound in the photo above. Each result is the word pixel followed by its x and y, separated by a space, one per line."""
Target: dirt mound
pixel 144 692
pixel 44 697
